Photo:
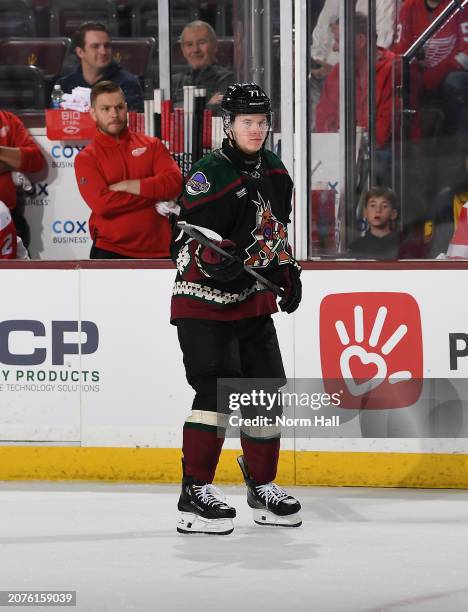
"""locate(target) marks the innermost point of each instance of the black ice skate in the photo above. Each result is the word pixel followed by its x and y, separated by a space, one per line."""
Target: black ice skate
pixel 203 509
pixel 271 505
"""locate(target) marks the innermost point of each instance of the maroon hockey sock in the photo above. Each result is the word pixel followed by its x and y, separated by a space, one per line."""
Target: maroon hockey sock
pixel 201 449
pixel 262 457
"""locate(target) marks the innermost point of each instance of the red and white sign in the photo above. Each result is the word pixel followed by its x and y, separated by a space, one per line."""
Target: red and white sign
pixel 69 125
pixel 371 349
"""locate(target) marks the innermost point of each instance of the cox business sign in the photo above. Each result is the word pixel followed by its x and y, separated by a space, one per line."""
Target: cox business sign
pixel 63 155
pixel 66 231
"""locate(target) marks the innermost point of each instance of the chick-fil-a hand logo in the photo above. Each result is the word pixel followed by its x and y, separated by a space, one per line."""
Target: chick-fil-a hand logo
pixel 371 349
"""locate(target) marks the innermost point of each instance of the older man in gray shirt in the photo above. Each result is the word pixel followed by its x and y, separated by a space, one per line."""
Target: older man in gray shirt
pixel 199 47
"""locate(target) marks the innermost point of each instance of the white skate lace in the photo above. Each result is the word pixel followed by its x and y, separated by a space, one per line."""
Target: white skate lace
pixel 210 495
pixel 272 493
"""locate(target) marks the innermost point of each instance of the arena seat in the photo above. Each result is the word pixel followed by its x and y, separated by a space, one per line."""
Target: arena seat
pixel 22 87
pixel 144 16
pixel 45 53
pixel 138 56
pixel 67 15
pixel 16 18
pixel 134 54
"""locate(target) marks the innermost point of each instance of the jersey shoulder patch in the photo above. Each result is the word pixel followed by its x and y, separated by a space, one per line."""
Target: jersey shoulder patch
pixel 210 178
pixel 198 184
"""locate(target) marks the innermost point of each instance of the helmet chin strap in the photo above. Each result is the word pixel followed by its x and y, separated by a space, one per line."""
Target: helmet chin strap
pixel 230 136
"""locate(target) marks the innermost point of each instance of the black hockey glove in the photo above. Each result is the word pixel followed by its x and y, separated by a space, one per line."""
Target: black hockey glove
pixel 292 287
pixel 219 267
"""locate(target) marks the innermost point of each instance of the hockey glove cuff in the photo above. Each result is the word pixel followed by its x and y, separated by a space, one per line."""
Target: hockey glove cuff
pixel 219 267
pixel 292 287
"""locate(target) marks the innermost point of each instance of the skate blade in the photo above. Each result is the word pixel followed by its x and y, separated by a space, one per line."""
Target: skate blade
pixel 267 518
pixel 189 523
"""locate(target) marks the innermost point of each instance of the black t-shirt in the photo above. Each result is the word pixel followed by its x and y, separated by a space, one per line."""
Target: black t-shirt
pixel 375 247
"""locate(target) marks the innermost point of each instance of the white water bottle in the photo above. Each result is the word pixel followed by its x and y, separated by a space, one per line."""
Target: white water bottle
pixel 57 96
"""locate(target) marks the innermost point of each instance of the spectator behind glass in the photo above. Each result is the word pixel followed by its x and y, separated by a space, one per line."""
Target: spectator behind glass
pixel 199 47
pixel 438 80
pixel 324 50
pixel 380 212
pixel 446 209
pixel 122 176
pixel 328 109
pixel 93 47
pixel 444 60
pixel 18 153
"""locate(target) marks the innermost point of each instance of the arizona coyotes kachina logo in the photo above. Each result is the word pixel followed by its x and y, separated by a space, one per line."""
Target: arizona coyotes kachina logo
pixel 270 238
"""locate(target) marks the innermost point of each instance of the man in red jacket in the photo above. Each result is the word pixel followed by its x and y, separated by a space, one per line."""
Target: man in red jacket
pixel 122 176
pixel 18 153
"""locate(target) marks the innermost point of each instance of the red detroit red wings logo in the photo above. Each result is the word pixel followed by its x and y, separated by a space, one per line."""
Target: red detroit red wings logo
pixel 438 49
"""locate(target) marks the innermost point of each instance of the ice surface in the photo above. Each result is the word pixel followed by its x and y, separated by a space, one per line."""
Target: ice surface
pixel 116 545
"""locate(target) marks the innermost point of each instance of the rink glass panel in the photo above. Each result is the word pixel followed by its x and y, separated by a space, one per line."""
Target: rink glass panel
pixel 339 165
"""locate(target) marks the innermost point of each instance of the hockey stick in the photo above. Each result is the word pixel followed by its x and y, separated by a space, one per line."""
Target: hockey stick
pixel 198 233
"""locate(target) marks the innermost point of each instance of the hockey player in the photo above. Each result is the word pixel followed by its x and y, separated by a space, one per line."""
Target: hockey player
pixel 223 316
